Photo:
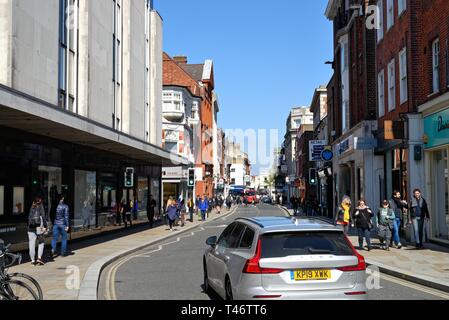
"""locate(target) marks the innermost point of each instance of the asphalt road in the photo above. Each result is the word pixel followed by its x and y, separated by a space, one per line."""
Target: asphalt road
pixel 172 270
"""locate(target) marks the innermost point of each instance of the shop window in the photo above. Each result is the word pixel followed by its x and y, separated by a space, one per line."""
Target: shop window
pixel 85 199
pixel 2 200
pixel 50 188
pixel 440 195
pixel 142 196
pixel 19 200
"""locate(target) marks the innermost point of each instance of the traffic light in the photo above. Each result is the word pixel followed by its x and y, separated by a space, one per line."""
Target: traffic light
pixel 129 178
pixel 191 182
pixel 312 177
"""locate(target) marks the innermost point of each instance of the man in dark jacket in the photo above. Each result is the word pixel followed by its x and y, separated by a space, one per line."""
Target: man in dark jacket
pixel 418 214
pixel 151 205
pixel 60 228
pixel 398 206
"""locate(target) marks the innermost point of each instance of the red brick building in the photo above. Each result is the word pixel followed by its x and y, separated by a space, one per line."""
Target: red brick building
pixel 433 104
pixel 352 101
pixel 203 74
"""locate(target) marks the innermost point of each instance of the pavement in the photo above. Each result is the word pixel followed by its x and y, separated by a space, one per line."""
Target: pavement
pixel 428 267
pixel 76 277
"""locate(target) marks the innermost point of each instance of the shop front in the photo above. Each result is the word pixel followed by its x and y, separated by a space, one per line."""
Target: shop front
pixel 92 182
pixel 356 168
pixel 436 128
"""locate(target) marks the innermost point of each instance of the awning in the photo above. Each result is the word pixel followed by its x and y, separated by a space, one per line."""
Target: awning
pixel 23 112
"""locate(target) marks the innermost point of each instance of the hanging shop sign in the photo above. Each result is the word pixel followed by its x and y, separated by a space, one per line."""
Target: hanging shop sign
pixel 436 128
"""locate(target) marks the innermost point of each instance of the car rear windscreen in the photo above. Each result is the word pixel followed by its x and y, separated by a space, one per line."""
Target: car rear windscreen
pixel 279 245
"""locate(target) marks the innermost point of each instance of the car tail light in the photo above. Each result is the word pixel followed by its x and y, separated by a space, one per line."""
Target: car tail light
pixel 252 265
pixel 361 265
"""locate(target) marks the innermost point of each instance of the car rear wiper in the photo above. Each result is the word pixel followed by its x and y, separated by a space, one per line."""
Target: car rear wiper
pixel 318 251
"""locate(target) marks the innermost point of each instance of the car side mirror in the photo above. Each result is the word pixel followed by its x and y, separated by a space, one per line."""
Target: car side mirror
pixel 212 241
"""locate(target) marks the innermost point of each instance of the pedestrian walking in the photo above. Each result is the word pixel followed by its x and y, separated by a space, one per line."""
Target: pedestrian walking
pixel 191 206
pixel 135 208
pixel 229 201
pixel 151 205
pixel 385 224
pixel 203 207
pixel 362 218
pixel 197 206
pixel 125 211
pixel 172 213
pixel 60 228
pixel 294 203
pixel 87 214
pixel 343 216
pixel 399 206
pixel 182 211
pixel 418 215
pixel 37 227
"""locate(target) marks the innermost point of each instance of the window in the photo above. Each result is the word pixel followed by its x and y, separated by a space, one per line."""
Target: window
pixel 381 93
pixel 380 26
pixel 345 116
pixel 436 66
pixel 248 237
pixel 390 14
pixel 2 200
pixel 402 6
pixel 280 245
pixel 223 241
pixel 403 75
pixel 171 147
pixel 391 86
pixel 236 235
pixel 18 200
pixel 345 55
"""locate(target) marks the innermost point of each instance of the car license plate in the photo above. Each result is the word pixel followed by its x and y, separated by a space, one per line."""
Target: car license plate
pixel 304 275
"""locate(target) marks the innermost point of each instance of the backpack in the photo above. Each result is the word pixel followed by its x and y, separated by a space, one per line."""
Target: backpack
pixel 35 217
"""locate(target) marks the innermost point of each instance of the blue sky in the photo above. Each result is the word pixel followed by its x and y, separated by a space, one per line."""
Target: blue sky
pixel 268 55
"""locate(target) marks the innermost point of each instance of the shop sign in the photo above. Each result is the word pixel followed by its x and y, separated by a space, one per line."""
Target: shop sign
pixel 394 130
pixel 436 128
pixel 316 147
pixel 365 143
pixel 344 146
pixel 7 229
pixel 172 173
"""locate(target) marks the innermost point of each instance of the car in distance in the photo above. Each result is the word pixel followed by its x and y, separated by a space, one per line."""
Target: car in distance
pixel 283 258
pixel 267 200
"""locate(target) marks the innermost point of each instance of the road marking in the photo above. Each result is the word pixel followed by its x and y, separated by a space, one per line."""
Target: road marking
pixel 417 287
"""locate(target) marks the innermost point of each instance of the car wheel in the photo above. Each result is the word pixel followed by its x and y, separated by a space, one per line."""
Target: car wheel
pixel 228 288
pixel 206 279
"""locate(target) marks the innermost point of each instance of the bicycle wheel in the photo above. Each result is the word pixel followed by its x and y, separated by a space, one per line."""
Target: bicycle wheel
pixel 32 283
pixel 17 290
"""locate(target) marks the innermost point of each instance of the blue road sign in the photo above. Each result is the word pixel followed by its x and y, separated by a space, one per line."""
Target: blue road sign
pixel 327 155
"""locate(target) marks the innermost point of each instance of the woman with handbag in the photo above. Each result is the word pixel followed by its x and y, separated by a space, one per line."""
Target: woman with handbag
pixel 362 217
pixel 343 216
pixel 385 221
pixel 37 227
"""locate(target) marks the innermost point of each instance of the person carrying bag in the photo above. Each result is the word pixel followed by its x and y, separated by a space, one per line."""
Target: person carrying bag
pixel 385 221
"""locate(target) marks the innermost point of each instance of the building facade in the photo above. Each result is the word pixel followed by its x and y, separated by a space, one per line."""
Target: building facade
pixel 300 116
pixel 181 131
pixel 80 104
pixel 203 74
pixel 324 188
pixel 352 103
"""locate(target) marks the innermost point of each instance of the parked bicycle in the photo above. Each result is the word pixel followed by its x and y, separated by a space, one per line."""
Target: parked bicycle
pixel 16 286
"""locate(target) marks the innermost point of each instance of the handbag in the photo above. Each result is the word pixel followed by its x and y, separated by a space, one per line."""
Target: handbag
pixel 382 232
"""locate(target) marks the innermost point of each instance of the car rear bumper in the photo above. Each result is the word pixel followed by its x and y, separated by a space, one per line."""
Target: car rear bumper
pixel 259 293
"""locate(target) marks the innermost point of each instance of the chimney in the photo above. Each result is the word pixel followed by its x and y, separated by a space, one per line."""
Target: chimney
pixel 180 59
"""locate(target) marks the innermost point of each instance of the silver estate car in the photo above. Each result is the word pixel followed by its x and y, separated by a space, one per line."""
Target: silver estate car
pixel 283 258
